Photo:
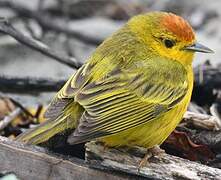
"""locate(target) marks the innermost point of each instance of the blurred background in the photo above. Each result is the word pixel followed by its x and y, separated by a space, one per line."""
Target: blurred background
pixel 76 27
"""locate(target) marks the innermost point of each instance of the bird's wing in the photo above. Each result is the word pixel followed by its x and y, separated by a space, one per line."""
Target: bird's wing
pixel 66 95
pixel 127 98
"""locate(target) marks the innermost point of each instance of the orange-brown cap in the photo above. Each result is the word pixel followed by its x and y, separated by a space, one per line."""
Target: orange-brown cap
pixel 178 26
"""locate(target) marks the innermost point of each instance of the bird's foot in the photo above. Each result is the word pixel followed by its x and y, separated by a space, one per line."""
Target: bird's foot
pixel 157 151
pixel 154 151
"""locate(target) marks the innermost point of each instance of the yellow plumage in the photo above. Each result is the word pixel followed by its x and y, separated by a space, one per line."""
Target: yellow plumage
pixel 133 90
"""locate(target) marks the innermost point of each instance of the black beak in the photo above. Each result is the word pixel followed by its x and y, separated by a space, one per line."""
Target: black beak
pixel 196 47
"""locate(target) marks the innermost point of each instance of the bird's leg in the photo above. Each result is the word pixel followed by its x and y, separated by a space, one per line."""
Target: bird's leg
pixel 105 146
pixel 154 151
pixel 144 160
pixel 157 151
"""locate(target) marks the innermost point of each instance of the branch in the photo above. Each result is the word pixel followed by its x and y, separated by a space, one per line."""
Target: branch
pixel 48 23
pixel 165 167
pixel 7 28
pixel 8 119
pixel 29 85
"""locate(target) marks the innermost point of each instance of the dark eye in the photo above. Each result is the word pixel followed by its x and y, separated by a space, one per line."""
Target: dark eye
pixel 169 43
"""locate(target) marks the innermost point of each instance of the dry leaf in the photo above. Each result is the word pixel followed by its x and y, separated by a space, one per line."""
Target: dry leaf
pixel 182 143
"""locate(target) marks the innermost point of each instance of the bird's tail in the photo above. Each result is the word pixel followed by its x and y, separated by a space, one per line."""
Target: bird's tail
pixel 51 127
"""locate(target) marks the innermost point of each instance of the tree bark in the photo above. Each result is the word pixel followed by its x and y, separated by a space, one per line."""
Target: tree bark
pixel 36 163
pixel 164 167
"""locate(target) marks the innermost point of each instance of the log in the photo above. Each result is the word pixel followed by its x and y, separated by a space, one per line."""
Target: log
pixel 36 163
pixel 164 167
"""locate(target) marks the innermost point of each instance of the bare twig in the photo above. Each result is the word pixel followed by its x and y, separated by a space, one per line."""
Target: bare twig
pixel 7 28
pixel 48 23
pixel 29 85
pixel 23 109
pixel 8 119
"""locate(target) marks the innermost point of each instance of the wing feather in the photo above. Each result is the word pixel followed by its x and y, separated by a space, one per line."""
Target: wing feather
pixel 117 103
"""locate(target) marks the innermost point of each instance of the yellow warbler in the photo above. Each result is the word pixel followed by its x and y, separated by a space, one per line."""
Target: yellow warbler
pixel 133 90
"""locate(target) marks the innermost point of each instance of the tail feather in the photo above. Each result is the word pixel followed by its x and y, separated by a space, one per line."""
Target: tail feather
pixel 51 127
pixel 44 131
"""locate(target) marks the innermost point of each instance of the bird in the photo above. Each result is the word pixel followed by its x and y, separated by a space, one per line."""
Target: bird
pixel 132 91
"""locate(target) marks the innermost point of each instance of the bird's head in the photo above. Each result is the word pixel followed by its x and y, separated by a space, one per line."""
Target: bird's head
pixel 168 35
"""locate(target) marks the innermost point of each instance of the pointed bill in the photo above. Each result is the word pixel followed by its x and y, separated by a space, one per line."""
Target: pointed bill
pixel 197 47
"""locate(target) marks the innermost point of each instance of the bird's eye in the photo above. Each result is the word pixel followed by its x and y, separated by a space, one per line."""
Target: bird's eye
pixel 169 43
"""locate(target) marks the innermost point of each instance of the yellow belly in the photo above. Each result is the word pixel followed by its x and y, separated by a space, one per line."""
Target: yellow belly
pixel 150 134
